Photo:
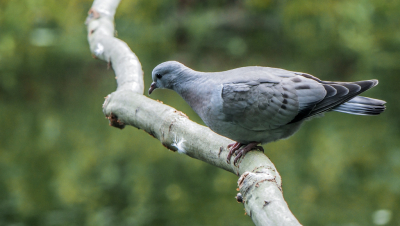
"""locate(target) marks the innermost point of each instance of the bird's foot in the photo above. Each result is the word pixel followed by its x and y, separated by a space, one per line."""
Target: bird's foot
pixel 235 149
pixel 243 151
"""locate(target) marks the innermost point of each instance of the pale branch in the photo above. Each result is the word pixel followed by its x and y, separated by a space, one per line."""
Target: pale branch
pixel 260 183
pixel 116 52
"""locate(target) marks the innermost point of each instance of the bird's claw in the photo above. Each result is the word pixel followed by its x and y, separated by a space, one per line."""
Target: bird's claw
pixel 233 148
pixel 236 149
pixel 260 148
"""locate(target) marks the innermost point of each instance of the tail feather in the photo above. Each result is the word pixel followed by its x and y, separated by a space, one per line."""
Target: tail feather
pixel 343 97
pixel 360 105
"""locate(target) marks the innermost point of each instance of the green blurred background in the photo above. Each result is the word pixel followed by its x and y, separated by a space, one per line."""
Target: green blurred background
pixel 61 164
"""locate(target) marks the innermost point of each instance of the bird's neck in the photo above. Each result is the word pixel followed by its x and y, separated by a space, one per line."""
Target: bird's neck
pixel 188 81
pixel 191 89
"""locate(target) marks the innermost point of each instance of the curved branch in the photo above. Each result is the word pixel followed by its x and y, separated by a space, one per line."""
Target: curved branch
pixel 260 183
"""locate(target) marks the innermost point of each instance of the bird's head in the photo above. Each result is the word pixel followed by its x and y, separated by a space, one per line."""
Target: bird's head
pixel 165 75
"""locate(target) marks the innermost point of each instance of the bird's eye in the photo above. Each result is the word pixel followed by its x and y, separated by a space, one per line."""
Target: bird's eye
pixel 158 76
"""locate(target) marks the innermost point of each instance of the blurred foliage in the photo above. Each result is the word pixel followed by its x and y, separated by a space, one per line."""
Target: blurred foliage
pixel 61 164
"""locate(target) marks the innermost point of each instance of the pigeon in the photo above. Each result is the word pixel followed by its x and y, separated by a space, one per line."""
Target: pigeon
pixel 257 105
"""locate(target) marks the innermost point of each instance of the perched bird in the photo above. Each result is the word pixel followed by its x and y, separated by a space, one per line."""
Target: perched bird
pixel 258 105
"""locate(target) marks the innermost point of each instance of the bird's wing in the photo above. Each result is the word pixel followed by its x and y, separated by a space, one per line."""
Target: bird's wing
pixel 276 97
pixel 269 101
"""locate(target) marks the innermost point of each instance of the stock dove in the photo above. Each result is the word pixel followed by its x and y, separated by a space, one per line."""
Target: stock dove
pixel 258 105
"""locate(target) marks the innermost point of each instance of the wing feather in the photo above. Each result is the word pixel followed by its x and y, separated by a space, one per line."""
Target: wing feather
pixel 258 105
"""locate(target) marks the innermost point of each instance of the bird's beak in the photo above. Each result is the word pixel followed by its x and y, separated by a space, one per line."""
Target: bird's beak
pixel 153 86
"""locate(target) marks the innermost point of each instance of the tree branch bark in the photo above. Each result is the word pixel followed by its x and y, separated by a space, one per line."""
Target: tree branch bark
pixel 260 183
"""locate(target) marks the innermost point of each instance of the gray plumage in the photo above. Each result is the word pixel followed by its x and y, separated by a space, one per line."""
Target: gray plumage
pixel 262 104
